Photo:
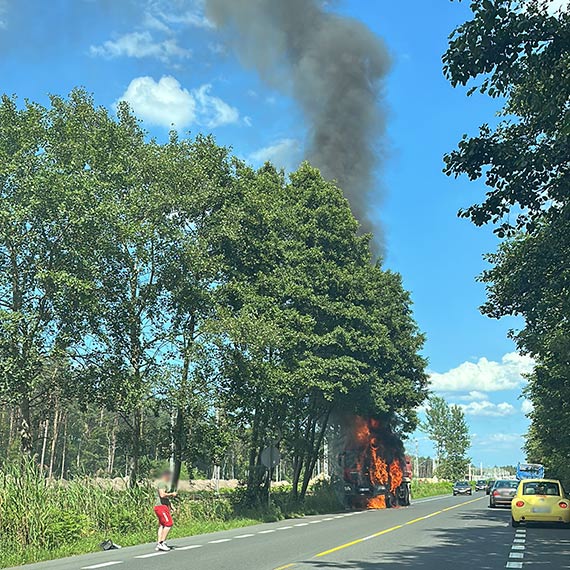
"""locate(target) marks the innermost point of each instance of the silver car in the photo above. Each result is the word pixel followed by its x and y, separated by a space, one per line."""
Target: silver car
pixel 502 493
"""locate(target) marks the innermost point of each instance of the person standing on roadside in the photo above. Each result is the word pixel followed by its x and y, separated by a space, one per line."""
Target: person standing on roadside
pixel 162 509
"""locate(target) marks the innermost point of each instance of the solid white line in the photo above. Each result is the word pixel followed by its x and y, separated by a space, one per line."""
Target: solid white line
pixel 102 565
pixel 151 555
pixel 266 531
pixel 244 536
pixel 190 547
pixel 219 541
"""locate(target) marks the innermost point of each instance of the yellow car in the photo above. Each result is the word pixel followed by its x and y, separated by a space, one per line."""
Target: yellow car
pixel 540 500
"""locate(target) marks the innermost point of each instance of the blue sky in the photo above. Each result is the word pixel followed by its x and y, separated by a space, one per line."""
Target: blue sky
pixel 175 67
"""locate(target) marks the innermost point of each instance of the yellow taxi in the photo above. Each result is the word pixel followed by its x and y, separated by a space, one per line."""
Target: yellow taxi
pixel 540 500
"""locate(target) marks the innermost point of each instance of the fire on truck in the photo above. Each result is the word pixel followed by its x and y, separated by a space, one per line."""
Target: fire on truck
pixel 375 472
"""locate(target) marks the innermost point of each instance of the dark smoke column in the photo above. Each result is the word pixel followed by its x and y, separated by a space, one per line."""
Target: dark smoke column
pixel 333 66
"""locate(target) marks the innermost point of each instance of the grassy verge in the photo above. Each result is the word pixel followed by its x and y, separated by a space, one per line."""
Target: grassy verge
pixel 425 489
pixel 48 521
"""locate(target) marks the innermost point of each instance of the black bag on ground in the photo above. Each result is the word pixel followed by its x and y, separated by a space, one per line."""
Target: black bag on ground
pixel 109 545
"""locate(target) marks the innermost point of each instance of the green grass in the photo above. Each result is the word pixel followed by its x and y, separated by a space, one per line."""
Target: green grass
pixel 425 489
pixel 58 519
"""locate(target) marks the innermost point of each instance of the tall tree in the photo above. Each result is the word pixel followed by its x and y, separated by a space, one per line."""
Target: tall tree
pixel 519 52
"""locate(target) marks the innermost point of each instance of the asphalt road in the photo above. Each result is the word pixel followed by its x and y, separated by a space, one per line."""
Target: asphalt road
pixel 448 533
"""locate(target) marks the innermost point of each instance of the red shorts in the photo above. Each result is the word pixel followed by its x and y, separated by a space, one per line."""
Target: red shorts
pixel 163 514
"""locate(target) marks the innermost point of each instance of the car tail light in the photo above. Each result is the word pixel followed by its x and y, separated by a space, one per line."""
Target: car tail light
pixel 563 505
pixel 519 503
pixel 496 493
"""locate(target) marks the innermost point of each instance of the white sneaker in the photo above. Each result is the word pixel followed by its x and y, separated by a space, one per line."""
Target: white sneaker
pixel 161 546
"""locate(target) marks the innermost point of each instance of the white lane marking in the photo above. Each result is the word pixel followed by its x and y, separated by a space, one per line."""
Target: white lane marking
pixel 339 517
pixel 103 565
pixel 302 524
pixel 284 528
pixel 519 540
pixel 244 536
pixel 518 547
pixel 329 519
pixel 266 531
pixel 315 522
pixel 151 555
pixel 190 547
pixel 219 541
pixel 518 555
pixel 514 565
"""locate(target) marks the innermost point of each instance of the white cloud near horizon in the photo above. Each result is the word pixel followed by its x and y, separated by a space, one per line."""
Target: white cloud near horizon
pixel 141 45
pixel 484 375
pixel 285 153
pixel 167 104
pixel 488 409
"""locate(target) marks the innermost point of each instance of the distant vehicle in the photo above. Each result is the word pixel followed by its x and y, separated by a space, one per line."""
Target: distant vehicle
pixel 502 493
pixel 540 500
pixel 462 488
pixel 490 484
pixel 481 485
pixel 530 471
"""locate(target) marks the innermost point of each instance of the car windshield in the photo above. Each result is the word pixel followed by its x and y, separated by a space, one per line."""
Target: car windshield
pixel 506 484
pixel 462 484
pixel 480 482
pixel 542 488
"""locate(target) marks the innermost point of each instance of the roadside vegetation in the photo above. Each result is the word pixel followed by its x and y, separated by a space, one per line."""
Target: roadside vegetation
pixel 53 519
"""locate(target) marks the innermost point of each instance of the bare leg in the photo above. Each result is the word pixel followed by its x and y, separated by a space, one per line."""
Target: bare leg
pixel 160 531
pixel 165 531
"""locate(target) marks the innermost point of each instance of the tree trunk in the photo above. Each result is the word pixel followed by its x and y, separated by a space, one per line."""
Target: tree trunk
pixel 44 445
pixel 26 437
pixel 64 447
pixel 53 441
pixel 313 452
pixel 136 447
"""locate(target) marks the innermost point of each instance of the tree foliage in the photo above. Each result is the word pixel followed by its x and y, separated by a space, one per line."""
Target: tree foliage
pixel 517 51
pixel 172 302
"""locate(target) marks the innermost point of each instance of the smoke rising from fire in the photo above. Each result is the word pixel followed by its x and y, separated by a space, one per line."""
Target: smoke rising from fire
pixel 333 66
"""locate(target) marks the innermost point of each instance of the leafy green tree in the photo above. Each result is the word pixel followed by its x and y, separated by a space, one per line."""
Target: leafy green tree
pixel 45 234
pixel 447 428
pixel 518 51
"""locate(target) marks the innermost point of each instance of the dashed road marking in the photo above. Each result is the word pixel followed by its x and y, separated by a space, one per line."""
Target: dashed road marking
pixel 220 540
pixel 151 555
pixel 514 565
pixel 519 540
pixel 244 536
pixel 518 547
pixel 516 555
pixel 284 527
pixel 103 565
pixel 302 524
pixel 266 531
pixel 190 547
pixel 315 522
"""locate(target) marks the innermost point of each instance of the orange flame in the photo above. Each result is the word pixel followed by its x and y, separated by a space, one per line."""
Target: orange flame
pixel 396 475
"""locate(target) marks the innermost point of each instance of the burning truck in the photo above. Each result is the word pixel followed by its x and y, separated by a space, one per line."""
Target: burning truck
pixel 376 473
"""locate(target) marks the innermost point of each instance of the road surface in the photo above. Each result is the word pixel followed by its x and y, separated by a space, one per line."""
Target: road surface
pixel 446 533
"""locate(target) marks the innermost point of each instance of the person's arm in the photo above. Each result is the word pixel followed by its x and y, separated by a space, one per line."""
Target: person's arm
pixel 164 495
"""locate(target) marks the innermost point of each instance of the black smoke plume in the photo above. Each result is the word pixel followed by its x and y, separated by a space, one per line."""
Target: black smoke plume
pixel 333 66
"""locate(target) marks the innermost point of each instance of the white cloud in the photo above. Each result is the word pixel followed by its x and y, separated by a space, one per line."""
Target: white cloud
pixel 141 45
pixel 213 111
pixel 166 103
pixel 488 409
pixel 474 396
pixel 501 440
pixel 485 375
pixel 284 153
pixel 527 407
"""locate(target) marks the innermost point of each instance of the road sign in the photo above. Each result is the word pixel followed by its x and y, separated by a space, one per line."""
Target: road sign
pixel 270 457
